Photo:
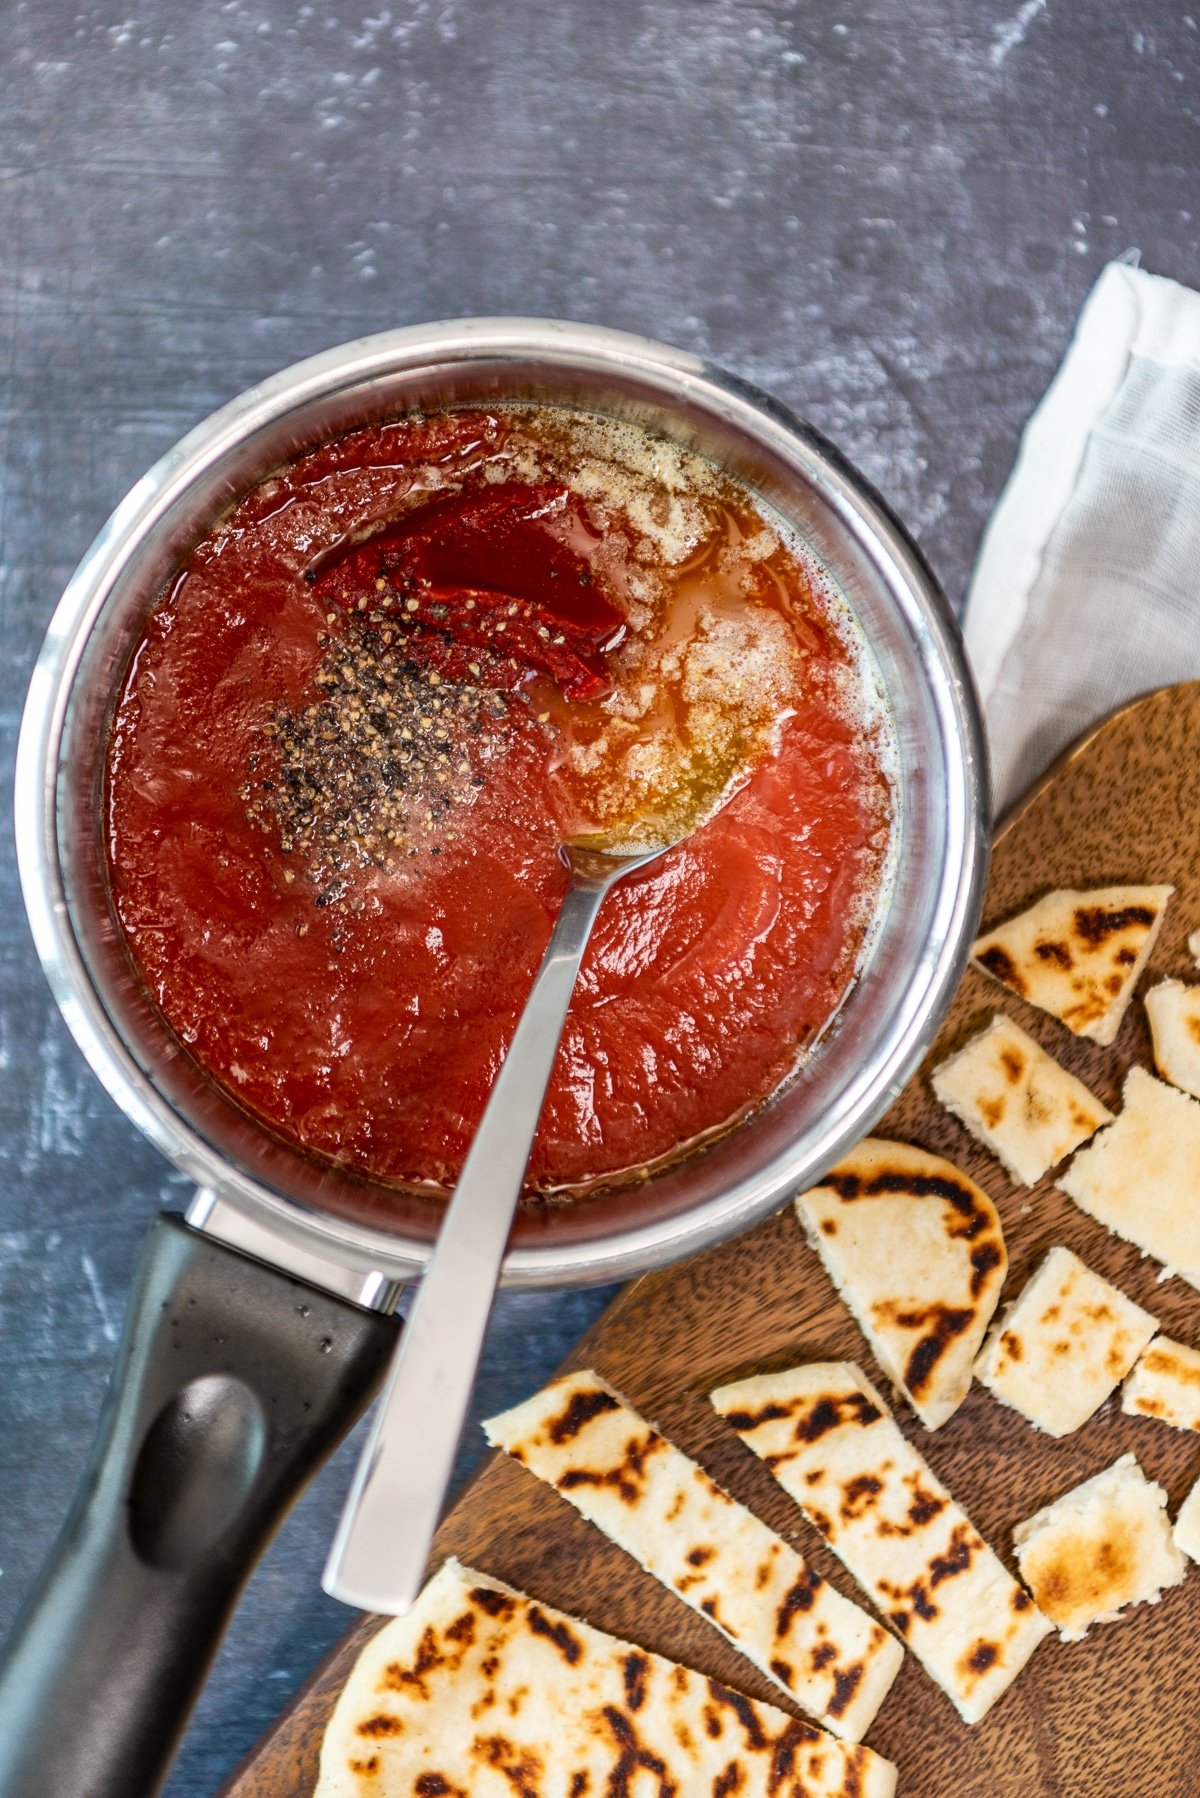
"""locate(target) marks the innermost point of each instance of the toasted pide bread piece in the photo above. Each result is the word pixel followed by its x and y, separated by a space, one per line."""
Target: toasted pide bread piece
pixel 481 1690
pixel 1193 944
pixel 1078 955
pixel 1173 1009
pixel 1061 1347
pixel 1187 1525
pixel 1017 1100
pixel 917 1252
pixel 1100 1547
pixel 581 1437
pixel 828 1438
pixel 1141 1175
pixel 1165 1383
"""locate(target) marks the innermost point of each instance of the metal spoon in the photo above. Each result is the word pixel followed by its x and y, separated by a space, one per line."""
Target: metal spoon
pixel 378 1557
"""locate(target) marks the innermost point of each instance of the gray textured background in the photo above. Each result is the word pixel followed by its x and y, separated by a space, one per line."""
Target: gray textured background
pixel 886 214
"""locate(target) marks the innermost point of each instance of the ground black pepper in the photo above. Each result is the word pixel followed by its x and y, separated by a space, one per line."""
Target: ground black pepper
pixel 372 771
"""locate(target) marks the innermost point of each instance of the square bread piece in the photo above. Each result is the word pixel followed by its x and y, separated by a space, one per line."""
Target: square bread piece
pixel 1078 955
pixel 820 1648
pixel 1017 1100
pixel 1101 1546
pixel 1141 1176
pixel 1165 1384
pixel 832 1444
pixel 1060 1348
pixel 481 1690
pixel 1187 1524
pixel 1173 1009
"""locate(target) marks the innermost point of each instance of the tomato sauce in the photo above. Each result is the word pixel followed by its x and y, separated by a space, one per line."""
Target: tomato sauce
pixel 336 792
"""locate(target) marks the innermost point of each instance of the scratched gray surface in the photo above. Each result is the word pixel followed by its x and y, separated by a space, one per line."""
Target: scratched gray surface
pixel 888 215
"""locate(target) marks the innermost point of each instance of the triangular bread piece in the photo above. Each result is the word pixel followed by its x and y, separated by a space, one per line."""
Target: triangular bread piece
pixel 581 1437
pixel 1174 1013
pixel 481 1690
pixel 834 1447
pixel 916 1251
pixel 1078 955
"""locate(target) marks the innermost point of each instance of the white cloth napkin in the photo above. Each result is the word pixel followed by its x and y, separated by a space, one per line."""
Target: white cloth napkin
pixel 1087 587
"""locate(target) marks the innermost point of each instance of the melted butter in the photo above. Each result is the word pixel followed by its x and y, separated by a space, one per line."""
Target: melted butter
pixel 700 696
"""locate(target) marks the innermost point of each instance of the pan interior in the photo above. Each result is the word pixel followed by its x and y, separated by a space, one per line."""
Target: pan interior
pixel 879 1029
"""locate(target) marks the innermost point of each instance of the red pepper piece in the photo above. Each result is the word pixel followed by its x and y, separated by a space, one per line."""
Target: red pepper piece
pixel 507 628
pixel 489 570
pixel 413 441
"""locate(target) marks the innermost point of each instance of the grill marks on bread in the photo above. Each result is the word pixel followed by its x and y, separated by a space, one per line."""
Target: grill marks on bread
pixel 660 1507
pixel 499 1710
pixel 916 1250
pixel 1076 954
pixel 893 1525
pixel 1165 1383
pixel 580 1410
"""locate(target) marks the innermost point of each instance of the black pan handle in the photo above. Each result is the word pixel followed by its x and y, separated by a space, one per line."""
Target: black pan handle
pixel 233 1382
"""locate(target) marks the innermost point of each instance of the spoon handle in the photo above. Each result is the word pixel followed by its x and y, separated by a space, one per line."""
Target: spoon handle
pixel 379 1552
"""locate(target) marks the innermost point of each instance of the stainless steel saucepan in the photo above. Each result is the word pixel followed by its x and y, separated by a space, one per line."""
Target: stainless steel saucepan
pixel 260 1325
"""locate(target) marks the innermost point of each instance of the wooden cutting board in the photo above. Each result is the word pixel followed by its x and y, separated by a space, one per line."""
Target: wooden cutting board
pixel 1114 1714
